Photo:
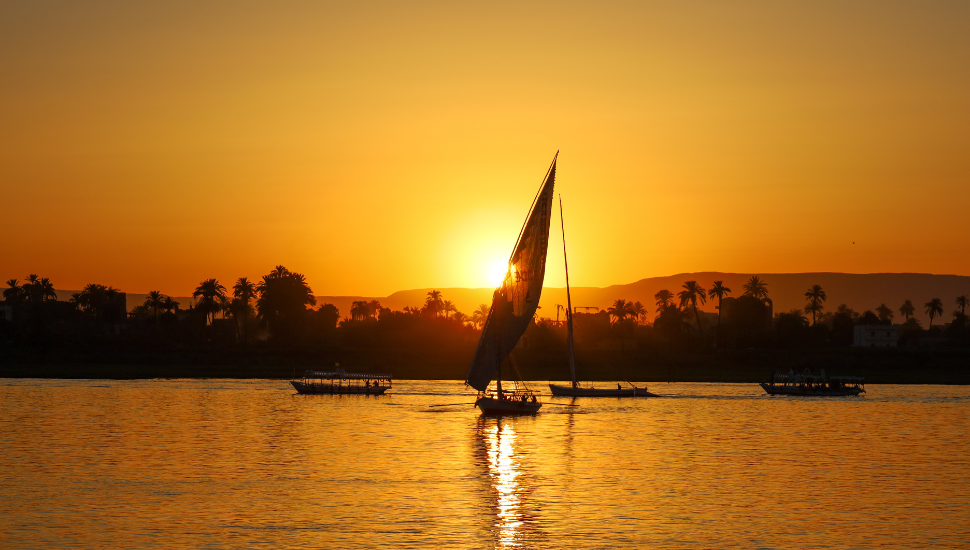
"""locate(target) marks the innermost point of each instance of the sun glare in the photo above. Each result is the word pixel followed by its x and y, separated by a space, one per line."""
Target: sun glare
pixel 496 273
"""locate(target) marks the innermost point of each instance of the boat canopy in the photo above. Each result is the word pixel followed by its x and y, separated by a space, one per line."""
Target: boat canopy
pixel 344 375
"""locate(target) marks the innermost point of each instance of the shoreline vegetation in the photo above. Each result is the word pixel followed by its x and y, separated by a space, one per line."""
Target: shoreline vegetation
pixel 273 329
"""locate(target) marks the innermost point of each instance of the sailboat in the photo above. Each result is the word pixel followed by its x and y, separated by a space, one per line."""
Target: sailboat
pixel 514 303
pixel 575 390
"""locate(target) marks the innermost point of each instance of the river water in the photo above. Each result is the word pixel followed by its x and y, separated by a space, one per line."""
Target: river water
pixel 250 464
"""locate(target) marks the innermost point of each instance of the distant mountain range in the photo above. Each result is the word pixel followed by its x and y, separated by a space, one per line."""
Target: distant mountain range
pixel 858 291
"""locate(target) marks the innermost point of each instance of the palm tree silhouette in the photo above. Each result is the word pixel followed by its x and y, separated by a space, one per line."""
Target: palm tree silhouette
pixel 45 289
pixel 480 315
pixel 843 309
pixel 638 311
pixel 907 309
pixel 169 304
pixel 885 313
pixel 719 291
pixel 31 288
pixel 155 300
pixel 375 308
pixel 433 302
pixel 243 293
pixel 460 317
pixel 664 298
pixel 14 292
pixel 207 293
pixel 816 297
pixel 621 308
pixel 691 294
pixel 962 303
pixel 933 308
pixel 448 307
pixel 756 287
pixel 359 310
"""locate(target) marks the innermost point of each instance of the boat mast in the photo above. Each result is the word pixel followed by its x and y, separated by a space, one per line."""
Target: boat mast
pixel 569 300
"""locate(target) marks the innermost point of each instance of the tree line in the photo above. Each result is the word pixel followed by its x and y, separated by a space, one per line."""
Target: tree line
pixel 280 307
pixel 748 319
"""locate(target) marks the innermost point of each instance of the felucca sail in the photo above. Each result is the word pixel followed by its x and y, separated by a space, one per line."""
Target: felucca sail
pixel 515 302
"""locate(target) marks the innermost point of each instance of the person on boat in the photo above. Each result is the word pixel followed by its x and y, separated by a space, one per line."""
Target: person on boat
pixel 618 386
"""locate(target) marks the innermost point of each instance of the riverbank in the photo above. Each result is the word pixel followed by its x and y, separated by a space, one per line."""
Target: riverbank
pixel 878 366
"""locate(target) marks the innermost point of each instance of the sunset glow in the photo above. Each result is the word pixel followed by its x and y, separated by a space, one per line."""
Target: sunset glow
pixel 370 148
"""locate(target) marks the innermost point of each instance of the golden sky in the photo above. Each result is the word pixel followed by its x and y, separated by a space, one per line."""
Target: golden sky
pixel 383 146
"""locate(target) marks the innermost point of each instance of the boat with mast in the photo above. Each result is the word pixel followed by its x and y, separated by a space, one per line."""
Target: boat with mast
pixel 575 390
pixel 514 305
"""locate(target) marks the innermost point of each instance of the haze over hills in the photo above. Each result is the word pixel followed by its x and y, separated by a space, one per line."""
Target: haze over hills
pixel 859 291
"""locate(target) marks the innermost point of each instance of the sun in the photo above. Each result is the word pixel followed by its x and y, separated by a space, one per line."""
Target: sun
pixel 496 273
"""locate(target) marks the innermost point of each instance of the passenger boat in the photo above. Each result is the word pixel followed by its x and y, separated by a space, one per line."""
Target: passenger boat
pixel 807 384
pixel 514 304
pixel 575 390
pixel 340 381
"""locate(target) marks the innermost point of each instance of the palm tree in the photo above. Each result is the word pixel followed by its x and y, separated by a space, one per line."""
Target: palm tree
pixel 13 292
pixel 207 293
pixel 433 302
pixel 31 288
pixel 885 313
pixel 243 293
pixel 843 309
pixel 816 297
pixel 169 304
pixel 155 300
pixel 907 309
pixel 756 287
pixel 962 303
pixel 664 298
pixel 621 308
pixel 480 315
pixel 690 295
pixel 46 290
pixel 448 307
pixel 359 310
pixel 460 317
pixel 719 291
pixel 284 297
pixel 638 310
pixel 375 307
pixel 933 308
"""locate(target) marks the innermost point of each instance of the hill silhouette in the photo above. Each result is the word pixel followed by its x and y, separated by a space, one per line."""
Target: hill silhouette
pixel 860 291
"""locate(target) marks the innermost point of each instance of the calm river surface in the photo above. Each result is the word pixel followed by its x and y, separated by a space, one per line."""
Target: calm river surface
pixel 250 464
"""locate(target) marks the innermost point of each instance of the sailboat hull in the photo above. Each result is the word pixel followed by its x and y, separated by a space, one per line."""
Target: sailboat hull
pixel 569 391
pixel 497 407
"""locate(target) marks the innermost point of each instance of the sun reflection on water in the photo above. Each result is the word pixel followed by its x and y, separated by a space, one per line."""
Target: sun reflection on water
pixel 502 460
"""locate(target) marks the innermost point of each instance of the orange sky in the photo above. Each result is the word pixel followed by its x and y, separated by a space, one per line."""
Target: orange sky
pixel 384 146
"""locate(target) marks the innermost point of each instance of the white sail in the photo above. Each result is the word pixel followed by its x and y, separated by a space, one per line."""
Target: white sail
pixel 515 302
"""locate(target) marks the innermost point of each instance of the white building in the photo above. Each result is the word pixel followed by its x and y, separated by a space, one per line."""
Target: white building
pixel 876 336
